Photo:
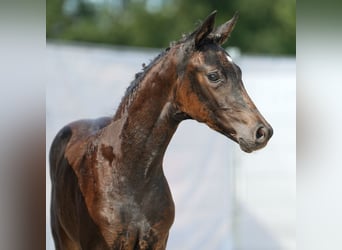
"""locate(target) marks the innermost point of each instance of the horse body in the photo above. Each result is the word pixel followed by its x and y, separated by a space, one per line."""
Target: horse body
pixel 108 186
pixel 118 166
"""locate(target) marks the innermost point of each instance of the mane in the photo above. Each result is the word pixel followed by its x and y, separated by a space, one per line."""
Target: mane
pixel 134 85
pixel 141 75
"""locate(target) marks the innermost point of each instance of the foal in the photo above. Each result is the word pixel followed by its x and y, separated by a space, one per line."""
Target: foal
pixel 108 186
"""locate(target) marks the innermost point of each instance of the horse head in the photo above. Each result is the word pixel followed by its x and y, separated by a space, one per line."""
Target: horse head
pixel 210 88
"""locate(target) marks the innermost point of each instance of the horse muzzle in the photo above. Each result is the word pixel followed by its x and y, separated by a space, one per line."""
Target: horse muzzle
pixel 260 137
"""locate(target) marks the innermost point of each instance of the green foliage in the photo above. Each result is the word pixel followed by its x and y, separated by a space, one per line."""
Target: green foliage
pixel 264 26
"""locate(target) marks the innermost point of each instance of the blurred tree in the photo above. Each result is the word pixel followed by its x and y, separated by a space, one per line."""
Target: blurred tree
pixel 54 17
pixel 265 26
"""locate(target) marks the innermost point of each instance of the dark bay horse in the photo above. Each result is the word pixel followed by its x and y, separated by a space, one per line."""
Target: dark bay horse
pixel 108 186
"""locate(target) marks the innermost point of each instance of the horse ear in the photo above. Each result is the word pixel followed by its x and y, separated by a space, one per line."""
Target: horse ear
pixel 222 33
pixel 205 29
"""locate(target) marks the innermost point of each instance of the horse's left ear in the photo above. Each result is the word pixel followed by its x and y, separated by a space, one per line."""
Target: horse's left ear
pixel 205 29
pixel 222 33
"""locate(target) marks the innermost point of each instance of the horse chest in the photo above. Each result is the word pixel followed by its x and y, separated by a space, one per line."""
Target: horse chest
pixel 140 208
pixel 131 220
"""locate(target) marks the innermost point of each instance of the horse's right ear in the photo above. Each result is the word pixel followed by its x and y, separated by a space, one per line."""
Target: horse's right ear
pixel 205 29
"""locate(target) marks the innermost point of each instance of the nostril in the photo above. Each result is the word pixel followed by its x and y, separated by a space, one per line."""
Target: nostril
pixel 261 133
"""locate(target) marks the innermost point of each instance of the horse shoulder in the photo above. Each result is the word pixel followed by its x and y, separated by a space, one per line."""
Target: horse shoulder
pixel 73 143
pixel 84 134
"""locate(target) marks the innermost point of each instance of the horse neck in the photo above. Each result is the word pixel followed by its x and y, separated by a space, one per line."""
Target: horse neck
pixel 146 122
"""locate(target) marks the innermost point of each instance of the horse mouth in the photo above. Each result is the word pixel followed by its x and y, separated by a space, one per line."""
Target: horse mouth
pixel 249 146
pixel 246 145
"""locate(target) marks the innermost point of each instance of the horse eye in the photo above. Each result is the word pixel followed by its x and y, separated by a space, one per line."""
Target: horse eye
pixel 213 77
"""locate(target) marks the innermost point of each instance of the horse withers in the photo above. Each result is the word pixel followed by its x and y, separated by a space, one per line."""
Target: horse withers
pixel 108 186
